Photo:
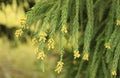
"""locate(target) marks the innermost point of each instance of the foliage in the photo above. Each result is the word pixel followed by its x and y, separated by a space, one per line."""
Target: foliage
pixel 90 27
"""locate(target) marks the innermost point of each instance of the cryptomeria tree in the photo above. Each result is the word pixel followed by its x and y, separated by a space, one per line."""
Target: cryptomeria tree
pixel 89 30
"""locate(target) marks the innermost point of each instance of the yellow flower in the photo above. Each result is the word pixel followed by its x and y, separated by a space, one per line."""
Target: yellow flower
pixel 41 55
pixel 51 44
pixel 64 29
pixel 18 33
pixel 22 21
pixel 34 41
pixel 107 45
pixel 85 56
pixel 76 54
pixel 42 36
pixel 59 67
pixel 114 73
pixel 118 22
pixel 36 50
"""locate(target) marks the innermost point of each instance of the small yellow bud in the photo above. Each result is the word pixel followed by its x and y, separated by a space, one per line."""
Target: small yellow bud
pixel 107 45
pixel 22 21
pixel 85 56
pixel 34 41
pixel 41 55
pixel 59 67
pixel 51 44
pixel 76 54
pixel 114 73
pixel 118 22
pixel 18 33
pixel 36 50
pixel 64 29
pixel 74 62
pixel 42 36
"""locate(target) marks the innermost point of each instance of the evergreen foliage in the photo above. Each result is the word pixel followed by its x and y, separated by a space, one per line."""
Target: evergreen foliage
pixel 91 27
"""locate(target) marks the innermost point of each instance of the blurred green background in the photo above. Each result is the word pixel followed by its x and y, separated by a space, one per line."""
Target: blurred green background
pixel 17 58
